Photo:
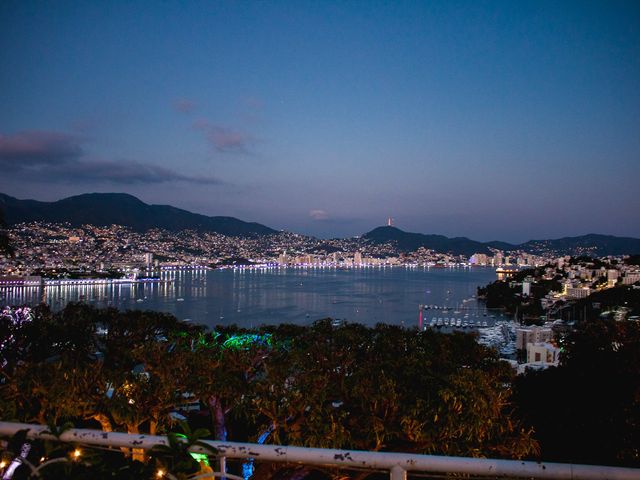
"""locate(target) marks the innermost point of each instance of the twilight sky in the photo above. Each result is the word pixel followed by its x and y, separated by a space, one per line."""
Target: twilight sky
pixel 493 120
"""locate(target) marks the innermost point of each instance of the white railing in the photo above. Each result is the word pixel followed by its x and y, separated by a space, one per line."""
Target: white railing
pixel 397 464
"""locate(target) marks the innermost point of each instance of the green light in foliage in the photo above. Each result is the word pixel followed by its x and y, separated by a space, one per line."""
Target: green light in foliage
pixel 244 341
pixel 200 458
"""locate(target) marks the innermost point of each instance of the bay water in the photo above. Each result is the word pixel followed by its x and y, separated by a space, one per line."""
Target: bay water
pixel 250 297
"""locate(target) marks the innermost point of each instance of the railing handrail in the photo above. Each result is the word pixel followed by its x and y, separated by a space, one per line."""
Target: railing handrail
pixel 400 463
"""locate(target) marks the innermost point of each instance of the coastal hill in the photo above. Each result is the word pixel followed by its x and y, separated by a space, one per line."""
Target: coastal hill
pixel 122 209
pixel 591 244
pixel 408 242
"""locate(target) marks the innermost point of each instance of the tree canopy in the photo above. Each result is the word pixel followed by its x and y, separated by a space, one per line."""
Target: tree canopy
pixel 383 388
pixel 587 410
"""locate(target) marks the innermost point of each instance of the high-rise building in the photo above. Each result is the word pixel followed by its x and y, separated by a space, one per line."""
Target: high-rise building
pixel 479 259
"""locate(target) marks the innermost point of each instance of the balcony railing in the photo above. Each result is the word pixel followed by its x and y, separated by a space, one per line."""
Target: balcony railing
pixel 399 465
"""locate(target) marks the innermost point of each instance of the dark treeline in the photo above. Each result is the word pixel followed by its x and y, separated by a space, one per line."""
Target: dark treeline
pixel 384 388
pixel 587 410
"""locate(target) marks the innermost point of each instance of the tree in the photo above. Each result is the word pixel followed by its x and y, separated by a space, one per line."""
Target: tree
pixel 588 409
pixel 118 368
pixel 389 389
pixel 384 388
pixel 228 362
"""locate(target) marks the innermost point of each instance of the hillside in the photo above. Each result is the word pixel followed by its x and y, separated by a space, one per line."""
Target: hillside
pixel 408 242
pixel 591 245
pixel 122 209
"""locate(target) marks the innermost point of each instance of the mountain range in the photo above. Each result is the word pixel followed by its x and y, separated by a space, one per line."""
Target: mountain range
pixel 408 242
pixel 122 209
pixel 129 211
pixel 591 244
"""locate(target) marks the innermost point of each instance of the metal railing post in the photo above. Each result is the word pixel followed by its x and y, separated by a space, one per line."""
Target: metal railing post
pixel 223 467
pixel 398 473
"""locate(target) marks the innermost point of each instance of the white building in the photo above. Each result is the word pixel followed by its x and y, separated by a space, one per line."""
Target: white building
pixel 576 292
pixel 630 278
pixel 542 353
pixel 532 334
pixel 479 259
pixel 148 260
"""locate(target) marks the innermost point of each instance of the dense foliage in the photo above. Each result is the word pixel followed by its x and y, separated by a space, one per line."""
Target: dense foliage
pixel 604 304
pixel 382 388
pixel 588 409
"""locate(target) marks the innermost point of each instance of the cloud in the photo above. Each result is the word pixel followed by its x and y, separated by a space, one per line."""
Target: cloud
pixel 123 172
pixel 59 157
pixel 319 214
pixel 184 105
pixel 38 148
pixel 224 139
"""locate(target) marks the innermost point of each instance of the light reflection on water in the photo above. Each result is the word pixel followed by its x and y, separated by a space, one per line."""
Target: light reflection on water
pixel 250 297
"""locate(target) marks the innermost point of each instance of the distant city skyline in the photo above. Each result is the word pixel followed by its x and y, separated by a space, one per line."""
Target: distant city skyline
pixel 490 120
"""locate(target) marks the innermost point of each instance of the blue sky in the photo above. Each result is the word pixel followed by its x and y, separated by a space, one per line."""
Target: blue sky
pixel 492 120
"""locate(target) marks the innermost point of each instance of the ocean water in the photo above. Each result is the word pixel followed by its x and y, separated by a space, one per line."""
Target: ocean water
pixel 251 297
